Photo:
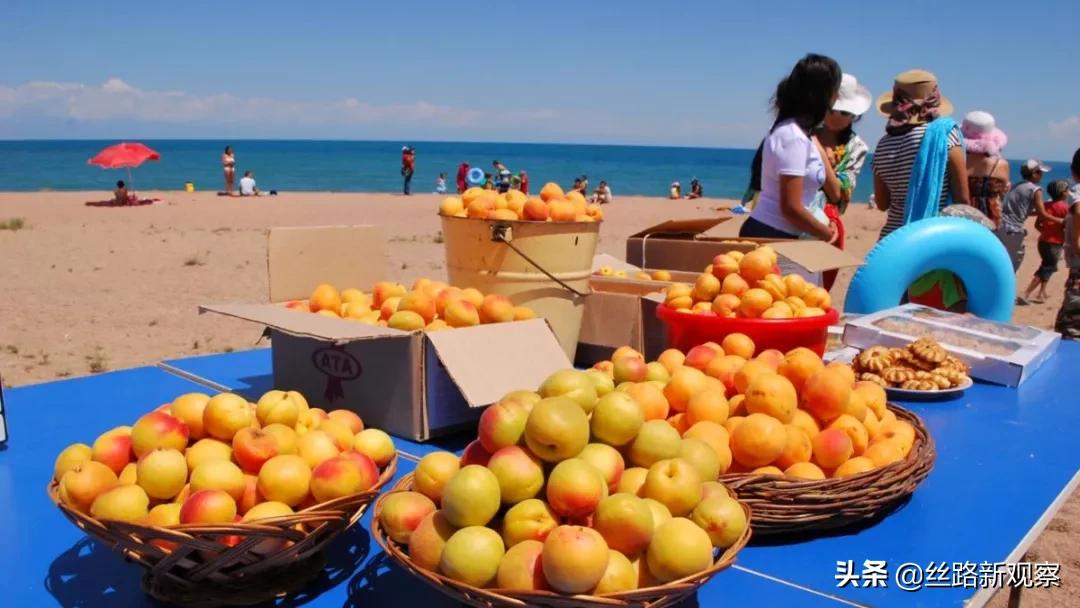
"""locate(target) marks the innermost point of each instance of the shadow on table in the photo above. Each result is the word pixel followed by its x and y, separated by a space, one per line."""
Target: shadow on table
pixel 91 574
pixel 851 530
pixel 343 557
pixel 256 386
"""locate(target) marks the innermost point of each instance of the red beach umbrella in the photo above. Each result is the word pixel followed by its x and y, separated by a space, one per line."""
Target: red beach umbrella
pixel 124 156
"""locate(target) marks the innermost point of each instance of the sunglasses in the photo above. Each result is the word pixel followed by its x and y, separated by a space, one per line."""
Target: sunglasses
pixel 842 113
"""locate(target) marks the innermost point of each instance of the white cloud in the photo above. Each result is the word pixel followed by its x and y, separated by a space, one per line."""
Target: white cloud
pixel 118 100
pixel 1067 127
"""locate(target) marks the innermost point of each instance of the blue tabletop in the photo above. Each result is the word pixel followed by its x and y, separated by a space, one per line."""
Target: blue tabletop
pixel 46 560
pixel 1004 458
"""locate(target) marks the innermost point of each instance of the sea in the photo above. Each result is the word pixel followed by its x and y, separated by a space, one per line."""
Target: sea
pixel 374 166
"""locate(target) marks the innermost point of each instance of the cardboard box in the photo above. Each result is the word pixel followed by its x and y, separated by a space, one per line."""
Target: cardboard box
pixel 616 314
pixel 997 352
pixel 412 384
pixel 690 245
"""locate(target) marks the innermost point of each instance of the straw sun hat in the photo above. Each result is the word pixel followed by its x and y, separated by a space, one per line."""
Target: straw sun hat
pixel 918 84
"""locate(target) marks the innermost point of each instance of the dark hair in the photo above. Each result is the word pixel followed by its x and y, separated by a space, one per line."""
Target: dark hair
pixel 1057 189
pixel 1075 166
pixel 228 149
pixel 806 94
pixel 494 162
pixel 755 169
pixel 120 183
pixel 247 173
pixel 845 136
pixel 1025 172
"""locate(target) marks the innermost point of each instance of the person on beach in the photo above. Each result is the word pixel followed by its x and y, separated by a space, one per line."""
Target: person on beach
pixel 1051 240
pixel 846 152
pixel 408 167
pixel 919 166
pixel 524 182
pixel 602 195
pixel 247 185
pixel 585 186
pixel 1024 199
pixel 489 184
pixel 675 193
pixel 987 171
pixel 440 184
pixel 503 174
pixel 578 187
pixel 695 189
pixel 462 177
pixel 793 166
pixel 228 164
pixel 1068 317
pixel 121 195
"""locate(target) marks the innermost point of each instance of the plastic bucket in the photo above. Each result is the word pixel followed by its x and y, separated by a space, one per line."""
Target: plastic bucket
pixel 486 255
pixel 685 331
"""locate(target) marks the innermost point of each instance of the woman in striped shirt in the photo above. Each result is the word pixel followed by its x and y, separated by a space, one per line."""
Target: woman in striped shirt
pixel 914 102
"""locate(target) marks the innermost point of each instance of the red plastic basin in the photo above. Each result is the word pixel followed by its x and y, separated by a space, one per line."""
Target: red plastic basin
pixel 685 331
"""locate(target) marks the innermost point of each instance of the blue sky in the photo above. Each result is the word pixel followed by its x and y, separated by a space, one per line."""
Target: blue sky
pixel 688 73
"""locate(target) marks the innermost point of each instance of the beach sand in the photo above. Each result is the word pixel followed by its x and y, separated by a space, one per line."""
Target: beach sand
pixel 90 289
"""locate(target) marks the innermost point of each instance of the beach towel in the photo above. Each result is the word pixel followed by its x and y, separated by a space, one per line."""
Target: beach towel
pixel 937 288
pixel 113 203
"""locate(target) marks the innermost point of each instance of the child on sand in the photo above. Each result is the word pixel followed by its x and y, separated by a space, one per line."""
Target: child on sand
pixel 440 184
pixel 1051 239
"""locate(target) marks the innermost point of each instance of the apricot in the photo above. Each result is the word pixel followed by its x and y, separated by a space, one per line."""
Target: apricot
pixel 419 303
pixel 873 396
pixel 521 569
pixel 806 423
pixel 656 441
pixel 625 521
pixel 472 556
pixel 855 431
pixel 749 372
pixel 519 473
pixel 884 453
pixel 724 265
pixel 556 429
pixel 798 365
pixel 679 548
pixel 617 418
pixel 684 384
pixel 562 211
pixel 530 519
pixel 717 437
pixel 859 464
pixel 832 447
pixel 722 518
pixel 496 309
pixel 797 447
pixel 900 432
pixel 471 497
pixel 651 398
pixel 535 210
pixel 737 406
pixel 574 559
pixel 701 456
pixel 772 394
pixel 551 191
pixel 756 265
pixel 805 470
pixel 461 313
pixel 708 404
pixel 432 473
pixel 844 369
pixel 796 285
pixel 700 356
pixel 620 575
pixel 754 302
pixel 825 394
pixel 725 305
pixel 325 297
pixel 734 284
pixel 706 288
pixel 672 359
pixel 817 297
pixel 758 440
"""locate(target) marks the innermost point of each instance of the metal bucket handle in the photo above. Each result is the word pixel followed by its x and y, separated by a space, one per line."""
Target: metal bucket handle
pixel 501 233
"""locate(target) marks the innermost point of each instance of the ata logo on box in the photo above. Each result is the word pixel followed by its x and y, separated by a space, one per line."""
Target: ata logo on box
pixel 337 365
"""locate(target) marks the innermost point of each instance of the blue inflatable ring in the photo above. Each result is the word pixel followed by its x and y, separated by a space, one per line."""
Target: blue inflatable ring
pixel 475 176
pixel 958 245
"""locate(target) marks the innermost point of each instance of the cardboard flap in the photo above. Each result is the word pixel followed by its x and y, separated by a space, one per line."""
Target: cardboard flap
pixel 612 262
pixel 302 324
pixel 815 256
pixel 298 259
pixel 488 361
pixel 687 228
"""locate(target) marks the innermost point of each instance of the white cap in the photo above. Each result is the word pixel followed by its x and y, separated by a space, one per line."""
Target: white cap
pixel 979 122
pixel 853 97
pixel 1032 165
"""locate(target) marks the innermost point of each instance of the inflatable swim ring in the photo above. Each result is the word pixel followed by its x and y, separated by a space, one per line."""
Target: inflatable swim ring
pixel 958 245
pixel 475 176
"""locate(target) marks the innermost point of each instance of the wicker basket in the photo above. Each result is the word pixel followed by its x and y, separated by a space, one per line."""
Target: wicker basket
pixel 651 597
pixel 235 564
pixel 786 506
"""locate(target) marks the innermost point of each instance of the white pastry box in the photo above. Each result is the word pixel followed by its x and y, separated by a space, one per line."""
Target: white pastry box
pixel 997 352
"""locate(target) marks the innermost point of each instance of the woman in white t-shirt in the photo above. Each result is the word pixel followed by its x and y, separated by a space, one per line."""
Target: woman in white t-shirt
pixel 792 165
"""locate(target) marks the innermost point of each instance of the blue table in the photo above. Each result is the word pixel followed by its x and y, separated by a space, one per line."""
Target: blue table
pixel 999 449
pixel 47 561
